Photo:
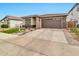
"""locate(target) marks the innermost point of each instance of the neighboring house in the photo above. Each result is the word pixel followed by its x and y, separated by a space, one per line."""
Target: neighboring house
pixel 73 14
pixel 12 21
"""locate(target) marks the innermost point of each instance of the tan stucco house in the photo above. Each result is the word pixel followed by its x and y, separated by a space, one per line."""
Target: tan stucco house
pixel 47 20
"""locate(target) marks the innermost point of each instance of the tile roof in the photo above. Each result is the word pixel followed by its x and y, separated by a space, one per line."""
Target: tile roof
pixel 12 18
pixel 45 15
pixel 48 15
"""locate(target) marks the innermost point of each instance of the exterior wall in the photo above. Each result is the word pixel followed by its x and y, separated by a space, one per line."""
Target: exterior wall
pixel 74 15
pixel 38 23
pixel 14 23
pixel 32 21
pixel 5 21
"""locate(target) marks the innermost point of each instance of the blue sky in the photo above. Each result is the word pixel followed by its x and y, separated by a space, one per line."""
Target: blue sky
pixel 24 9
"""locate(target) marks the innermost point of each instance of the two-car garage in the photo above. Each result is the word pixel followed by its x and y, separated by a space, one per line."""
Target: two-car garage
pixel 54 22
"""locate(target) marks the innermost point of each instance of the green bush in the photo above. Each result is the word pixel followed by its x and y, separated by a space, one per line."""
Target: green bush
pixel 73 29
pixel 12 30
pixel 78 25
pixel 4 26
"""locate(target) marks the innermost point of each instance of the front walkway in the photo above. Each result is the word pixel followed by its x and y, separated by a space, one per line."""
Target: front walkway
pixel 41 42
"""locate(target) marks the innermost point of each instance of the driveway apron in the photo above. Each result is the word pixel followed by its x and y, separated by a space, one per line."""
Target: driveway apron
pixel 46 41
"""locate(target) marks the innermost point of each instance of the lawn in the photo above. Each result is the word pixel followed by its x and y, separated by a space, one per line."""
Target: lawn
pixel 75 30
pixel 3 29
pixel 12 30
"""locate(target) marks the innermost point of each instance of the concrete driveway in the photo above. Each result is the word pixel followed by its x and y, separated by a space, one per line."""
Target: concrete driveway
pixel 42 42
pixel 6 36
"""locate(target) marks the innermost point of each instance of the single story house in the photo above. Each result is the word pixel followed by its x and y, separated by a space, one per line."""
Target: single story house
pixel 47 20
pixel 12 21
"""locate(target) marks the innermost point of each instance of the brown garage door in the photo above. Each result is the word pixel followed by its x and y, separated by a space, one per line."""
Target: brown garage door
pixel 55 22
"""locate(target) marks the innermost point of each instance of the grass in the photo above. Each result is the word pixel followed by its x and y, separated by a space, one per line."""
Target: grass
pixel 3 29
pixel 12 30
pixel 75 30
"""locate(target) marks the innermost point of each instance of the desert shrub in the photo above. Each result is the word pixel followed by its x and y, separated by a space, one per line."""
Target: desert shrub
pixel 4 26
pixel 71 24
